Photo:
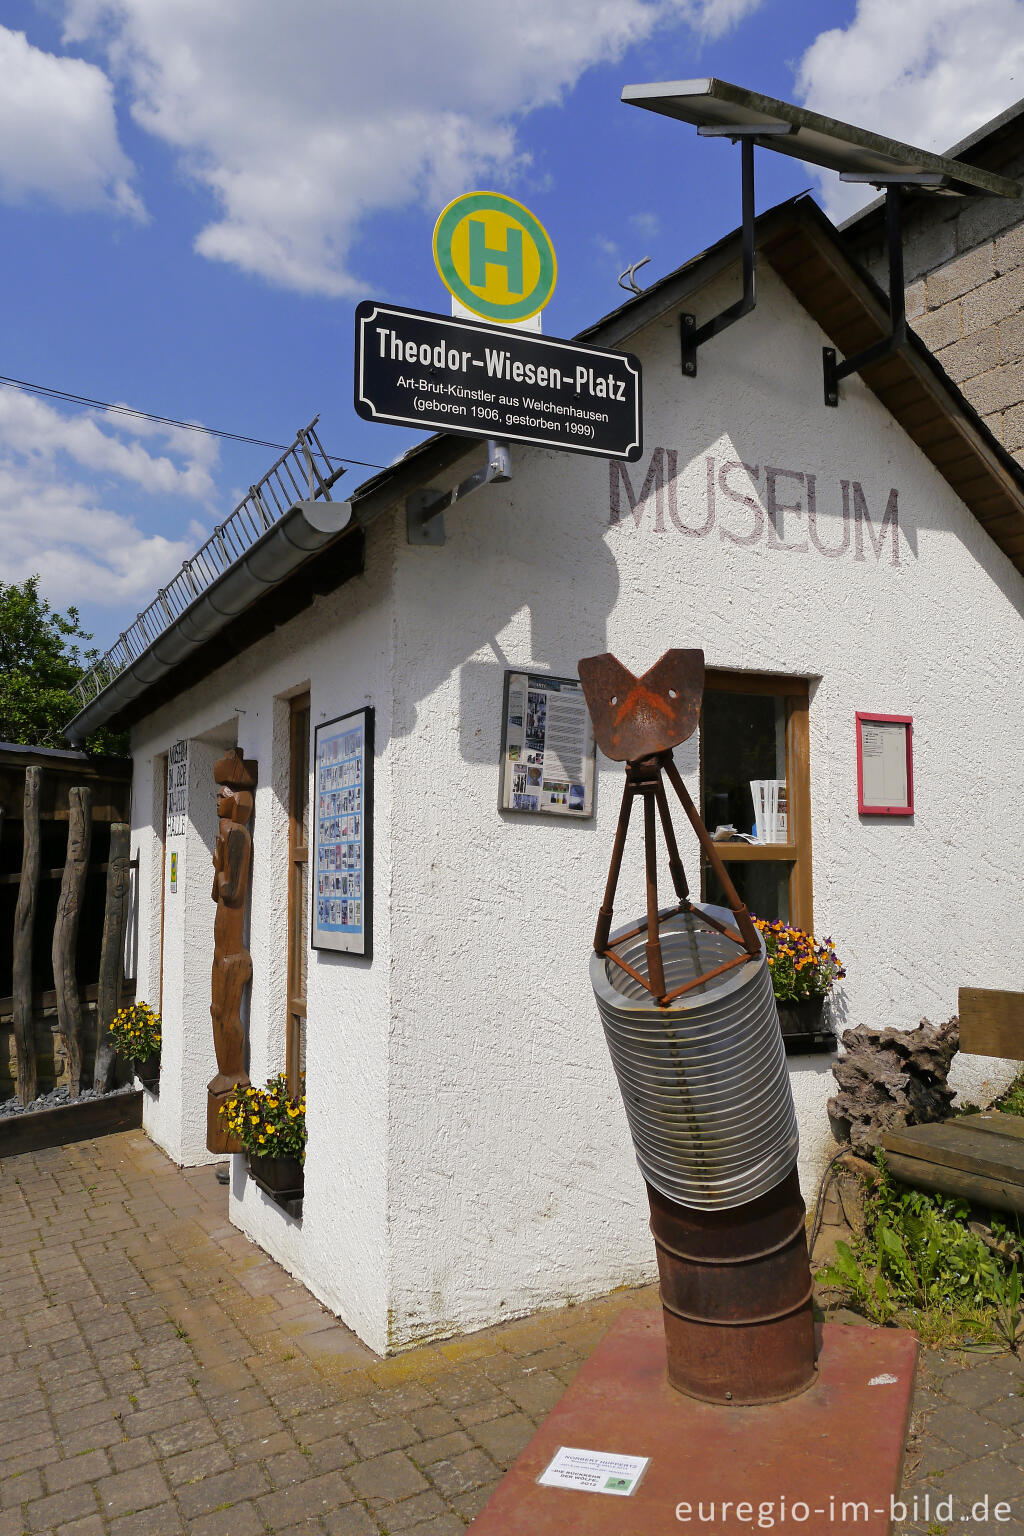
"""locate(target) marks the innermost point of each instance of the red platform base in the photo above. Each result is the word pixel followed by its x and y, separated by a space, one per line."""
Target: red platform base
pixel 788 1467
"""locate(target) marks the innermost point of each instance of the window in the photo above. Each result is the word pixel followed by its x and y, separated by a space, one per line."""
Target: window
pixel 755 727
pixel 298 891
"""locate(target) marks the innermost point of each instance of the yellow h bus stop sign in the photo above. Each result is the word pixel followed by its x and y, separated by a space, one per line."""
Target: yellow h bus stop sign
pixel 494 256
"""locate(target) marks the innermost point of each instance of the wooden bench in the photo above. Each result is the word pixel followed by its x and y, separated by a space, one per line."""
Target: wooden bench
pixel 977 1157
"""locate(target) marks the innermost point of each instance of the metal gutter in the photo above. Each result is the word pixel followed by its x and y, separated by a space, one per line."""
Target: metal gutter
pixel 302 531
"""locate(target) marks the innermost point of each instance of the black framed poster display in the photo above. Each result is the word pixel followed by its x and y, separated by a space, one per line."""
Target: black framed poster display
pixel 547 746
pixel 342 907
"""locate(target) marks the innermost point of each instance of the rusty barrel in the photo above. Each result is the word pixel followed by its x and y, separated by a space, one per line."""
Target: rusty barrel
pixel 736 1295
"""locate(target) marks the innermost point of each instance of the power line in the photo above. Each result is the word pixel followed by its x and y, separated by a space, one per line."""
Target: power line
pixel 168 421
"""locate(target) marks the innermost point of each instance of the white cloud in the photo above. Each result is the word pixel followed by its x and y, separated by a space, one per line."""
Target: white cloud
pixel 648 224
pixel 37 431
pixel 58 133
pixel 927 72
pixel 57 522
pixel 301 120
pixel 713 18
pixel 83 550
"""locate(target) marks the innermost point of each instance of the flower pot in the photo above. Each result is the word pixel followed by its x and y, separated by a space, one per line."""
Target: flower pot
pixel 802 1019
pixel 280 1176
pixel 148 1073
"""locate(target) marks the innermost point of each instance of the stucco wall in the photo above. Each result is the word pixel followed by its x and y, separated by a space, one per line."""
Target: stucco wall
pixel 176 1117
pixel 340 649
pixel 468 1156
pixel 512 1182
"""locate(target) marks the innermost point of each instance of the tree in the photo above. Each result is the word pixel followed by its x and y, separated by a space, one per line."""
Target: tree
pixel 40 662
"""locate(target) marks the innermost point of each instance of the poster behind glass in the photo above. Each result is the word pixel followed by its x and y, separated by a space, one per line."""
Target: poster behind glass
pixel 342 905
pixel 547 748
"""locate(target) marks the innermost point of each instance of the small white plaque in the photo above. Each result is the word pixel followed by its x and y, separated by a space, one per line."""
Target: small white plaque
pixel 594 1471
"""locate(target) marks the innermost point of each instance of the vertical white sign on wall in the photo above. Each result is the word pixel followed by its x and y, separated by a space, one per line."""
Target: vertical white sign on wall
pixel 177 789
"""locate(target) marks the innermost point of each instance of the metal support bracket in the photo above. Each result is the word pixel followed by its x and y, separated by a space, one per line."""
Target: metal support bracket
pixel 833 371
pixel 690 335
pixel 424 510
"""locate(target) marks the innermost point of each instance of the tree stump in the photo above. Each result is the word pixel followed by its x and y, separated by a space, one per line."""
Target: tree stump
pixel 890 1078
pixel 65 930
pixel 115 922
pixel 24 924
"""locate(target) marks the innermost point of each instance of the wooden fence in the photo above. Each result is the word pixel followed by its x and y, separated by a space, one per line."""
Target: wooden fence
pixel 66 899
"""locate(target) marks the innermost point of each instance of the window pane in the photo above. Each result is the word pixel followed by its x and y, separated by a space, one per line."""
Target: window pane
pixel 743 737
pixel 299 798
pixel 302 937
pixel 762 885
pixel 301 726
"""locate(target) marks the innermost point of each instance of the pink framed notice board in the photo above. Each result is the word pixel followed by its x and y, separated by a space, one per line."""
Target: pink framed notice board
pixel 885 764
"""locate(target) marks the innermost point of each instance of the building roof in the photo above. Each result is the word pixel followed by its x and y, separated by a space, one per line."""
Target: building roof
pixel 991 146
pixel 811 258
pixel 807 252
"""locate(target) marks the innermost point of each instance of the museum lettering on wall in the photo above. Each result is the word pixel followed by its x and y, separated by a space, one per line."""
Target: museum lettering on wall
pixel 791 510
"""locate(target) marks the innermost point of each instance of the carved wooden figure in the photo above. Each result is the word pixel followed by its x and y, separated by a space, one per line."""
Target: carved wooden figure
pixel 232 963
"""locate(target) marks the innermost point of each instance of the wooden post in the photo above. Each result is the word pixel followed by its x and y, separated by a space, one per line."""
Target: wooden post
pixel 65 929
pixel 115 921
pixel 24 923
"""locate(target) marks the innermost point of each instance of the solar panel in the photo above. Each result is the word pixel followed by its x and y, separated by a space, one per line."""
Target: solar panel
pixel 853 152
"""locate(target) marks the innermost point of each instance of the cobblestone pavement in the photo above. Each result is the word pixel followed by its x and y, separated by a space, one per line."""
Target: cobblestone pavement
pixel 161 1375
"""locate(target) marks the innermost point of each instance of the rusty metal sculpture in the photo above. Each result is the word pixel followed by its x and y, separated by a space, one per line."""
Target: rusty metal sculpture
pixel 693 1033
pixel 232 963
pixel 638 720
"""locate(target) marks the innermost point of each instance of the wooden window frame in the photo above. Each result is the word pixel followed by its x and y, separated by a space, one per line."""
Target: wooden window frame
pixel 299 722
pixel 797 852
pixel 907 721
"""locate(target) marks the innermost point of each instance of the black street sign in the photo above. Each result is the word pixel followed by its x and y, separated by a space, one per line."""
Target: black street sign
pixel 415 369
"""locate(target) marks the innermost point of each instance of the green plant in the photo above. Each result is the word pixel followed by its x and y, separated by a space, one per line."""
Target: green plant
pixel 918 1260
pixel 40 663
pixel 136 1032
pixel 265 1120
pixel 800 967
pixel 869 1291
pixel 1012 1101
pixel 1008 1317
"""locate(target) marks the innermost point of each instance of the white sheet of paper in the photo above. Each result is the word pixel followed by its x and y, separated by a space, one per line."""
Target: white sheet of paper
pixel 593 1471
pixel 884 760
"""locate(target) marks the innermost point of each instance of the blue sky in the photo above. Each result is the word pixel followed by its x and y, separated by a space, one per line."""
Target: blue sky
pixel 195 195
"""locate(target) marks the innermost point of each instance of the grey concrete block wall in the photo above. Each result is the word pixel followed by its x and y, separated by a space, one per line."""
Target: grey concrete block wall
pixel 964 269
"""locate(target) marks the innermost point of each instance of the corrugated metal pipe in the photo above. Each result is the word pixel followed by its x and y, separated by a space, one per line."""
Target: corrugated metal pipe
pixel 305 528
pixel 703 1080
pixel 706 1090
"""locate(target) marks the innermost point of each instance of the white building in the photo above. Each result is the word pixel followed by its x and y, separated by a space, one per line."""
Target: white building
pixel 468 1156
